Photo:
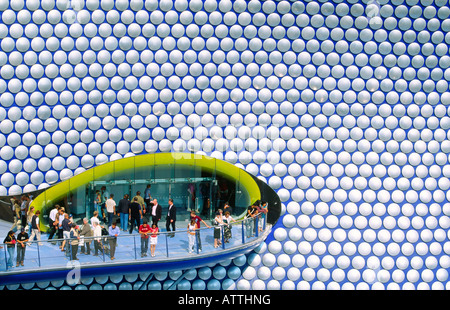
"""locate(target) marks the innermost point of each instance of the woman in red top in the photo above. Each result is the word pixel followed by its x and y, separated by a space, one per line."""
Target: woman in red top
pixel 153 238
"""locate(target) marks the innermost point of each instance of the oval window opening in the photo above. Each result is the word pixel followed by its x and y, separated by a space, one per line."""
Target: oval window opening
pixel 194 182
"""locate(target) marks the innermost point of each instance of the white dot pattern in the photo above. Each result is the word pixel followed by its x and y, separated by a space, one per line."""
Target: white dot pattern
pixel 342 107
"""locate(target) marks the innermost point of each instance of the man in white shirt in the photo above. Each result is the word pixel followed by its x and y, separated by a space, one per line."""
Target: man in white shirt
pixel 51 221
pixel 35 231
pixel 156 212
pixel 97 241
pixel 110 205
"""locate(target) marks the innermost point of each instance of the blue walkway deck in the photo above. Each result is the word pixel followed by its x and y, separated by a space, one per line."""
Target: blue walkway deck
pixel 48 262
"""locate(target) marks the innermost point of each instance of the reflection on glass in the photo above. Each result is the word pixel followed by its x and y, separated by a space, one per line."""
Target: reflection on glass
pixel 194 183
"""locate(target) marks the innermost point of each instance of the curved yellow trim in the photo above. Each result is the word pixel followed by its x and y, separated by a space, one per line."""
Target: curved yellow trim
pixel 54 193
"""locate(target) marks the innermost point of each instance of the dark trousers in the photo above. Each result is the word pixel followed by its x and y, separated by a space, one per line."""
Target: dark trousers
pixel 147 204
pixel 168 224
pixel 51 229
pixel 144 245
pixel 155 220
pixel 20 253
pixel 86 247
pixel 60 234
pixel 112 246
pixel 135 220
pixel 74 251
pixel 97 246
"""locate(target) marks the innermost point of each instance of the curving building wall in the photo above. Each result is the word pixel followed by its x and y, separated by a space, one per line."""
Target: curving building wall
pixel 340 106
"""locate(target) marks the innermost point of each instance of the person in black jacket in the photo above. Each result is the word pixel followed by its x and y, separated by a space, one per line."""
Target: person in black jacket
pixel 135 214
pixel 171 217
pixel 156 212
pixel 22 239
pixel 122 209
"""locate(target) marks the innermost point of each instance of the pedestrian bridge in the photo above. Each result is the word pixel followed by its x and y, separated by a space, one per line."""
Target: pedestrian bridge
pixel 168 173
pixel 45 261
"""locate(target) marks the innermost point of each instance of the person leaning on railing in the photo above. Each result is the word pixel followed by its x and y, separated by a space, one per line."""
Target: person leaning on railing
pixel 114 232
pixel 36 230
pixel 74 240
pixel 22 239
pixel 252 211
pixel 191 234
pixel 144 230
pixel 262 209
pixel 86 231
pixel 227 228
pixel 197 221
pixel 154 230
pixel 10 242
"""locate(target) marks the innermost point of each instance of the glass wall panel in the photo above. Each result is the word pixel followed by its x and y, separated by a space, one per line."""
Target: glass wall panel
pixel 58 194
pixel 144 175
pixel 145 168
pixel 40 203
pixel 194 182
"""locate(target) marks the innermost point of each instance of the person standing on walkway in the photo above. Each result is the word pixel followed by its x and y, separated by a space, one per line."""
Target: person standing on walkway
pixel 97 238
pixel 51 221
pixel 24 210
pixel 86 231
pixel 171 218
pixel 140 200
pixel 17 214
pixel 135 214
pixel 110 205
pixel 104 196
pixel 66 233
pixel 122 209
pixel 35 229
pixel 144 230
pixel 198 221
pixel 22 239
pixel 153 239
pixel 114 232
pixel 191 235
pixel 218 224
pixel 95 219
pixel 30 215
pixel 227 228
pixel 250 220
pixel 61 216
pixel 10 242
pixel 74 240
pixel 262 210
pixel 98 202
pixel 156 212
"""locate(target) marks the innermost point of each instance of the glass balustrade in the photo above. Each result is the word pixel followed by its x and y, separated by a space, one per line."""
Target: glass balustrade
pixel 128 248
